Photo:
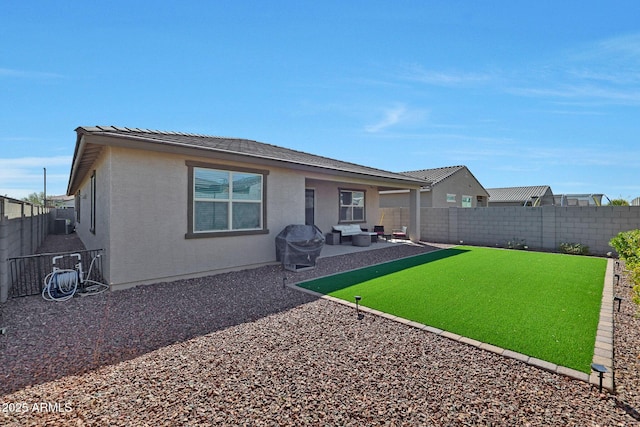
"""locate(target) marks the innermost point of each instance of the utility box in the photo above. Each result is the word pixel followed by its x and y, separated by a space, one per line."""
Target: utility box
pixel 63 226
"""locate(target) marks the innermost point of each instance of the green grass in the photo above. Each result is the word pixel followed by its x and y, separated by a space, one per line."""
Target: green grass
pixel 540 304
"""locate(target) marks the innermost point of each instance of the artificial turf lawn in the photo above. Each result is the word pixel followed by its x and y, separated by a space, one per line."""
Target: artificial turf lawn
pixel 543 305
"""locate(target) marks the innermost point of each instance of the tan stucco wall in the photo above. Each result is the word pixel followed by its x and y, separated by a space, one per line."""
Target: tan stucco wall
pixel 327 202
pixel 142 208
pixel 461 183
pixel 149 220
pixel 99 239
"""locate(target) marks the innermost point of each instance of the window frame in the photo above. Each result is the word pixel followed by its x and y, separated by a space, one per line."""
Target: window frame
pixel 92 189
pixel 364 206
pixel 78 203
pixel 191 233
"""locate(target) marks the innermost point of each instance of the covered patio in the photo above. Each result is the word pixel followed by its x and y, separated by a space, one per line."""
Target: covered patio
pixel 348 248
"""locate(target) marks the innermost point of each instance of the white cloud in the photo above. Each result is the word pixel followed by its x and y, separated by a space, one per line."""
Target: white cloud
pixel 20 177
pixel 626 46
pixel 24 74
pixel 585 92
pixel 30 162
pixel 391 117
pixel 601 73
pixel 398 114
pixel 445 78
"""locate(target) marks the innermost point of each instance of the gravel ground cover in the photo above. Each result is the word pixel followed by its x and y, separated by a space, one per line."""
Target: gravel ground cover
pixel 242 349
pixel 627 345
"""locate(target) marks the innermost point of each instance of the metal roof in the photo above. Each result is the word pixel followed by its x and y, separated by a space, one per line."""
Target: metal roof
pixel 517 194
pixel 232 146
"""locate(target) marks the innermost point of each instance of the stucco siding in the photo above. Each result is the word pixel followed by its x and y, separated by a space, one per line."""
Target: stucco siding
pixel 460 183
pixel 327 203
pixel 99 239
pixel 395 199
pixel 149 221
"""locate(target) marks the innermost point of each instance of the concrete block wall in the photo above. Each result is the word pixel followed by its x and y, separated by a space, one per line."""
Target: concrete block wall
pixel 435 223
pixel 497 226
pixel 595 226
pixel 23 228
pixel 541 228
pixel 393 218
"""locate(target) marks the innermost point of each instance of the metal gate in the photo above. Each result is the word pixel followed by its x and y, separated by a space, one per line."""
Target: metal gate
pixel 28 273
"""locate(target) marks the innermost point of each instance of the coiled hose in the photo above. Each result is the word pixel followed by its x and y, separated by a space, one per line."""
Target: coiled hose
pixel 62 284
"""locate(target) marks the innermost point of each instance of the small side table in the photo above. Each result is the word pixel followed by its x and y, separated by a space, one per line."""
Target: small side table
pixel 332 239
pixel 361 240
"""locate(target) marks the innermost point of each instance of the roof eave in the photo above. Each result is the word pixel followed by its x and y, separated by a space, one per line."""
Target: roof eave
pixel 392 180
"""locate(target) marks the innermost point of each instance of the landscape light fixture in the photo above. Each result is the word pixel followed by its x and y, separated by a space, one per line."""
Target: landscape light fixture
pixel 619 299
pixel 358 298
pixel 617 277
pixel 601 370
pixel 284 281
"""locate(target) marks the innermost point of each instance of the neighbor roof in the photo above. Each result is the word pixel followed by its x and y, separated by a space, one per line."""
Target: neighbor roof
pixel 83 158
pixel 435 175
pixel 517 194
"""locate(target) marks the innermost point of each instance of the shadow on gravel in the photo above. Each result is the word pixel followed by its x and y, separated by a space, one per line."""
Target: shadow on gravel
pixel 630 410
pixel 50 340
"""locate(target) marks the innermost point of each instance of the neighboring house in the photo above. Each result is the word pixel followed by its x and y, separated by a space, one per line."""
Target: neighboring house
pixel 537 195
pixel 453 186
pixel 635 202
pixel 169 205
pixel 63 202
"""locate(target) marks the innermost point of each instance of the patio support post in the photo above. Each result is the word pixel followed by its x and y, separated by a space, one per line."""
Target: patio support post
pixel 414 215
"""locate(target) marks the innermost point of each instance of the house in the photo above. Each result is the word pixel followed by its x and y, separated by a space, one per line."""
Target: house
pixel 61 202
pixel 537 195
pixel 452 186
pixel 170 205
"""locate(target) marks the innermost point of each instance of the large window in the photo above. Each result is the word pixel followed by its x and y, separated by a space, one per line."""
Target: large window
pixel 352 203
pixel 224 201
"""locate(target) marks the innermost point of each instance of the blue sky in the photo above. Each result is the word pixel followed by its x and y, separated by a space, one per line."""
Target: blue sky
pixel 523 93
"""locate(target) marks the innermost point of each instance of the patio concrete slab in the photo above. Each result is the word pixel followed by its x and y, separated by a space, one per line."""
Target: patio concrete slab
pixel 348 248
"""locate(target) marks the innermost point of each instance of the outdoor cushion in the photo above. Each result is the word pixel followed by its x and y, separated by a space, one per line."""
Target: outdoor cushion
pixel 400 234
pixel 348 230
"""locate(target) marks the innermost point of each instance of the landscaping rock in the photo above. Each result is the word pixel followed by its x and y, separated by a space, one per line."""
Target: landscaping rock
pixel 242 349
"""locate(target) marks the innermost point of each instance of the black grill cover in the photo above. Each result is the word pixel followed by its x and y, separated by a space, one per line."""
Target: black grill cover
pixel 299 245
